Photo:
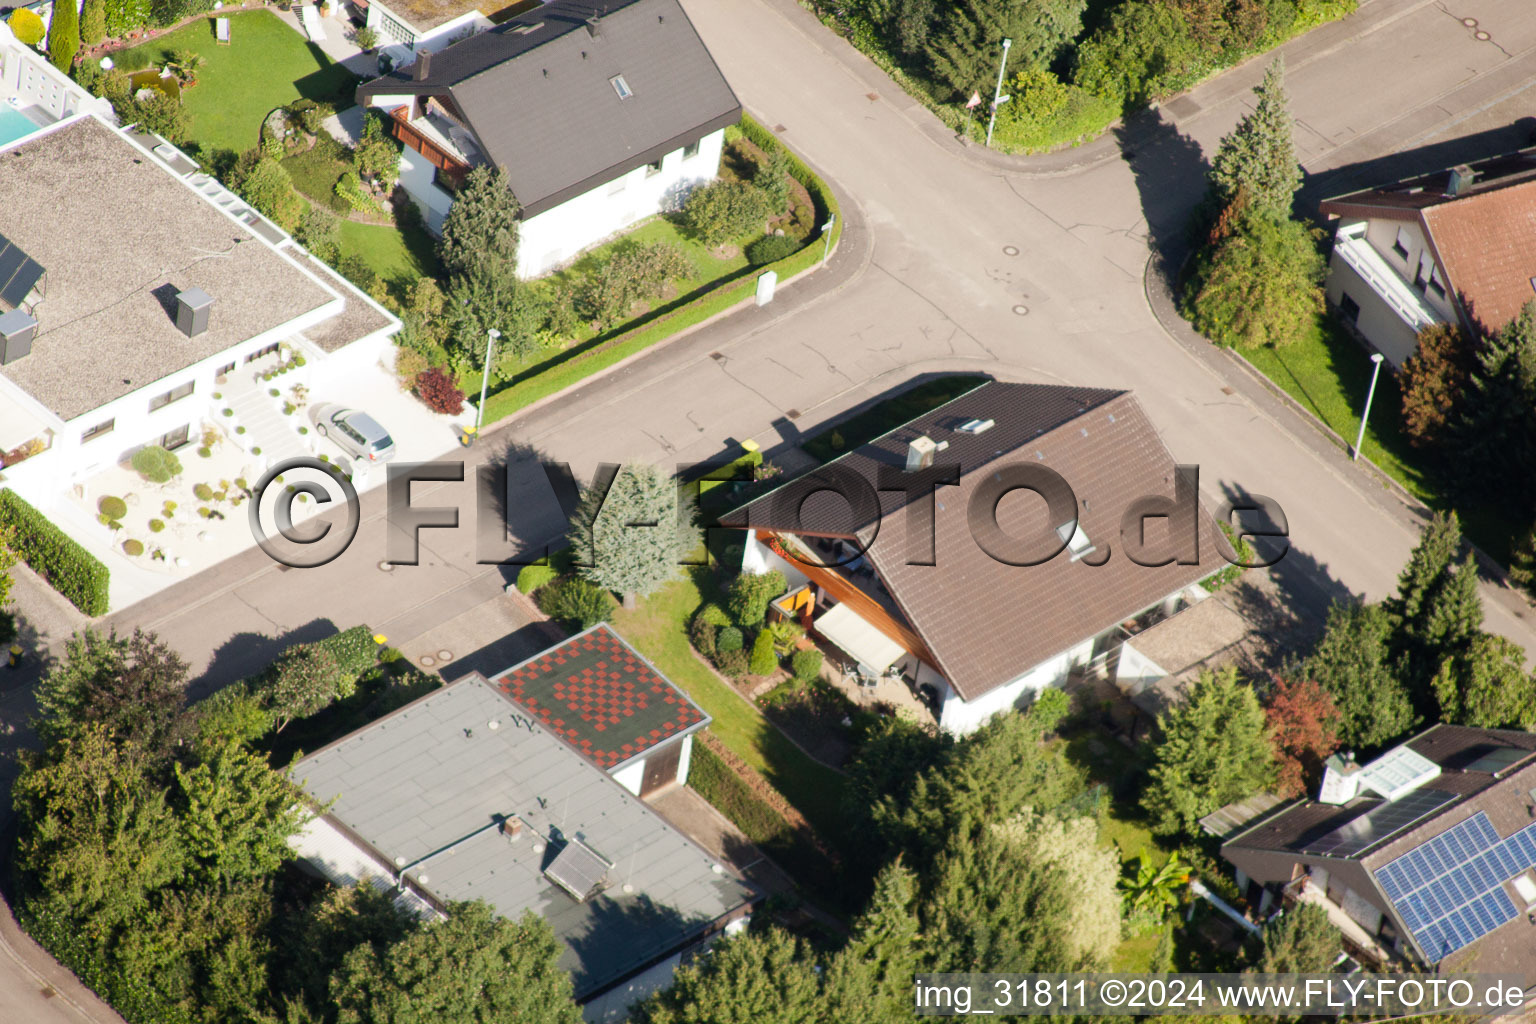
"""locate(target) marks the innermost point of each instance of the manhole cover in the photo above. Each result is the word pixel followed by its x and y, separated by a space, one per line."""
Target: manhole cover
pixel 1021 310
pixel 428 661
pixel 1010 250
pixel 780 129
pixel 1481 36
pixel 792 414
pixel 444 655
pixel 1228 391
pixel 716 356
pixel 386 567
pixel 872 96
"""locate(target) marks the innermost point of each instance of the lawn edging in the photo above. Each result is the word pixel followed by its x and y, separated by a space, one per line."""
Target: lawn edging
pixel 62 562
pixel 722 300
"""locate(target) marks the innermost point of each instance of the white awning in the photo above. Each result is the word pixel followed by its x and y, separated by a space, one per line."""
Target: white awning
pixel 860 640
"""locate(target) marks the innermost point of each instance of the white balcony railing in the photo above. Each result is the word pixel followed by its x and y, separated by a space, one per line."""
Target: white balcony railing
pixel 1363 259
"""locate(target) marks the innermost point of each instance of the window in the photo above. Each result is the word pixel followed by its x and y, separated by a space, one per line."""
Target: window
pixel 224 370
pixel 690 151
pixel 177 393
pixel 1400 245
pixel 266 351
pixel 104 427
pixel 1076 540
pixel 653 168
pixel 1349 309
pixel 1436 284
pixel 621 87
pixel 171 440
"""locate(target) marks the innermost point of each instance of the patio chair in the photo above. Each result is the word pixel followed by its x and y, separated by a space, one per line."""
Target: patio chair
pixel 221 31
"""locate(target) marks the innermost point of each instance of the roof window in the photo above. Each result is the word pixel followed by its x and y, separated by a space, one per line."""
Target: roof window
pixel 621 87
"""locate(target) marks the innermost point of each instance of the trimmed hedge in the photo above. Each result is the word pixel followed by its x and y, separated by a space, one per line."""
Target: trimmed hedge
pixel 54 555
pixel 580 363
pixel 130 993
pixel 353 650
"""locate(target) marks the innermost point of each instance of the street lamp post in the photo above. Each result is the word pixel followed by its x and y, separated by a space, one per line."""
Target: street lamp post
pixel 485 376
pixel 998 99
pixel 1366 412
pixel 826 234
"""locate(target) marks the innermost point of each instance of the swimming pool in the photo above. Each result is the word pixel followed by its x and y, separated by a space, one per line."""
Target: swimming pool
pixel 14 125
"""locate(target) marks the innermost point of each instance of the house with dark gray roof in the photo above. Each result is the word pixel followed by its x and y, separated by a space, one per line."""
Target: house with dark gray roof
pixel 600 117
pixel 145 286
pixel 1455 246
pixel 465 795
pixel 1427 853
pixel 975 591
pixel 610 705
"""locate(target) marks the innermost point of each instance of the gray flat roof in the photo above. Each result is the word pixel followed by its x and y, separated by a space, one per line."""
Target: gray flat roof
pixel 116 234
pixel 434 779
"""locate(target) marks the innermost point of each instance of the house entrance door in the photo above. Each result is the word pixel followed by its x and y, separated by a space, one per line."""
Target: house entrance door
pixel 661 768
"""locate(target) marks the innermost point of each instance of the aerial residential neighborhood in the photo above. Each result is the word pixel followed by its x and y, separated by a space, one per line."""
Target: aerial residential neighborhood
pixel 670 512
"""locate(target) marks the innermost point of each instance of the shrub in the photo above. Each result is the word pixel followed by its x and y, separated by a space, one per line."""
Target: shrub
pixel 205 453
pixel 350 189
pixel 750 594
pixel 354 652
pixel 1262 285
pixel 169 508
pixel 723 210
pixel 54 555
pixel 309 114
pixel 202 492
pixel 132 547
pixel 269 188
pixel 274 392
pixel 806 665
pixel 27 27
pixel 713 614
pixel 532 577
pixel 729 639
pixel 1047 112
pixel 231 412
pixel 702 635
pixel 771 249
pixel 633 273
pixel 771 176
pixel 576 602
pixel 764 661
pixel 155 464
pixel 156 525
pixel 366 38
pixel 239 430
pixel 111 507
pixel 1050 707
pixel 64 35
pixel 732 663
pixel 439 392
pixel 255 451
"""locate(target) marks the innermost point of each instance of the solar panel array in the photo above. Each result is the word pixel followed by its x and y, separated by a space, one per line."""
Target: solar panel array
pixel 1379 823
pixel 1450 890
pixel 18 273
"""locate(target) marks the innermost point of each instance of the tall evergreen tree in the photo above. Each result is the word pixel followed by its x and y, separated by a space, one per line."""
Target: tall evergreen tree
pixel 480 230
pixel 870 979
pixel 633 539
pixel 1353 662
pixel 757 978
pixel 93 22
pixel 1486 685
pixel 966 45
pixel 1258 154
pixel 1214 749
pixel 1495 433
pixel 1300 941
pixel 64 34
pixel 1436 611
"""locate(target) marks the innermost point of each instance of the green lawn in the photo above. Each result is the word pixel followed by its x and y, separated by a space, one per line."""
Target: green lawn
pixel 1329 374
pixel 399 256
pixel 267 65
pixel 658 629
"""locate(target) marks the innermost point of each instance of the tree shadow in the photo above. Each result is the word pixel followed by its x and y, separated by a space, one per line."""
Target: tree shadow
pixel 1171 173
pixel 245 654
pixel 527 519
pixel 623 932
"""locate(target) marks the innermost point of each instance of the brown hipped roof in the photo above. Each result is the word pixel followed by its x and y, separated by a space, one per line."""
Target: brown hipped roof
pixel 986 622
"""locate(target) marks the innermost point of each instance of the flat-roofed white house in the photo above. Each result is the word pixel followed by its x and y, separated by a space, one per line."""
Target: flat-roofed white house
pixel 598 119
pixel 131 284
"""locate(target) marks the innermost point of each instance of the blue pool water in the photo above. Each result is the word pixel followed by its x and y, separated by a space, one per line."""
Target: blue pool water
pixel 14 125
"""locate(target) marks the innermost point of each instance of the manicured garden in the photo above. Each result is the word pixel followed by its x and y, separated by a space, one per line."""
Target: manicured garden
pixel 266 65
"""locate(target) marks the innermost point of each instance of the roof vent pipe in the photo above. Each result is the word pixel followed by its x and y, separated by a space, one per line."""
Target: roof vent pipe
pixel 592 29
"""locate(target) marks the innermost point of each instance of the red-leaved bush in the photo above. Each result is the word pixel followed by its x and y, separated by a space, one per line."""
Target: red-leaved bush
pixel 438 390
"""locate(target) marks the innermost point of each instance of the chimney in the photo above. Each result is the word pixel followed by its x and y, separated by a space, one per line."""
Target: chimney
pixel 920 453
pixel 592 29
pixel 192 308
pixel 512 828
pixel 1340 781
pixel 16 332
pixel 423 65
pixel 1461 180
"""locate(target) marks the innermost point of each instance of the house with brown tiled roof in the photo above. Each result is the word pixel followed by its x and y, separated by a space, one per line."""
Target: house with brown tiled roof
pixel 609 704
pixel 975 591
pixel 1455 246
pixel 1426 854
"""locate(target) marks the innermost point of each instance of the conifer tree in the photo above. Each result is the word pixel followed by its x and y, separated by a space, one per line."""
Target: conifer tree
pixel 1495 433
pixel 1436 611
pixel 870 979
pixel 1300 941
pixel 633 539
pixel 1258 154
pixel 966 44
pixel 64 34
pixel 1486 685
pixel 1353 662
pixel 93 22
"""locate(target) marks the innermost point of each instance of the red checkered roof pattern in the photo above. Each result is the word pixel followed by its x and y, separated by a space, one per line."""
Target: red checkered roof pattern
pixel 601 697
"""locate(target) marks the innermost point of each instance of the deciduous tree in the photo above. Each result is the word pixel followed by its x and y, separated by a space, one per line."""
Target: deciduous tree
pixel 134 687
pixel 632 539
pixel 1260 286
pixel 1258 155
pixel 1070 846
pixel 1434 384
pixel 301 681
pixel 1353 662
pixel 1303 729
pixel 1300 941
pixel 469 968
pixel 1213 750
pixel 723 211
pixel 236 815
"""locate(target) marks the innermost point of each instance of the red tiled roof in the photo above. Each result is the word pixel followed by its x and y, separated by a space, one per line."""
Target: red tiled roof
pixel 1487 244
pixel 600 696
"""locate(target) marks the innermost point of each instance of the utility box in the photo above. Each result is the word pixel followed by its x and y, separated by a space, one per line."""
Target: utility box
pixel 17 330
pixel 765 284
pixel 192 308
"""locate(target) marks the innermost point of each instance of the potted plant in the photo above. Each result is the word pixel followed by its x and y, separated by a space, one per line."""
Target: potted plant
pixel 366 39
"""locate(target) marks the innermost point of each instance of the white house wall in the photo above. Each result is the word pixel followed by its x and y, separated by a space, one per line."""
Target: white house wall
pixel 1135 670
pixel 685 760
pixel 433 38
pixel 1378 322
pixel 612 1006
pixel 24 73
pixel 961 717
pixel 556 236
pixel 631 776
pixel 758 558
pixel 1382 234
